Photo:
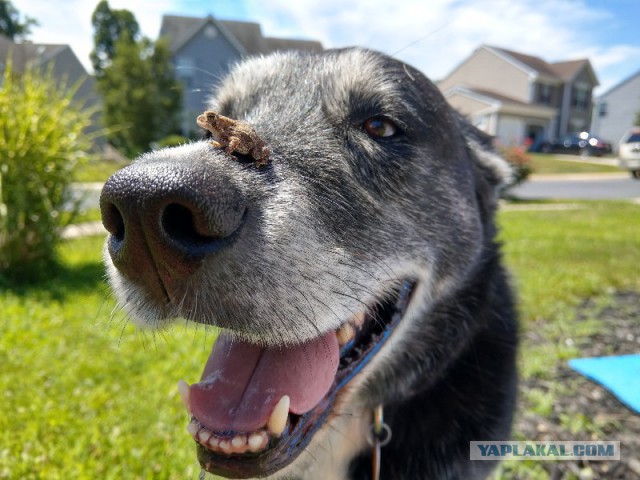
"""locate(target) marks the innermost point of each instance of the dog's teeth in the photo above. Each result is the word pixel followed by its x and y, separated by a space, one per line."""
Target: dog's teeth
pixel 184 391
pixel 193 428
pixel 278 420
pixel 345 334
pixel 204 435
pixel 239 443
pixel 213 442
pixel 257 441
pixel 358 319
pixel 225 446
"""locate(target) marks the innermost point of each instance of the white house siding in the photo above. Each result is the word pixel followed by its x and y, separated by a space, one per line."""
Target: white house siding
pixel 510 130
pixel 620 106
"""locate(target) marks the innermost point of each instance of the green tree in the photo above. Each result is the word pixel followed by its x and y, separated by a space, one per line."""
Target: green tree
pixel 141 97
pixel 42 141
pixel 109 27
pixel 11 23
pixel 637 122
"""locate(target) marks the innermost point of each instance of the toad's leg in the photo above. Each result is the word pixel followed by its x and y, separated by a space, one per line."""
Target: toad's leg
pixel 260 154
pixel 232 146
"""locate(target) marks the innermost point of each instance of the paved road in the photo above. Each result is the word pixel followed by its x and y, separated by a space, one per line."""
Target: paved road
pixel 586 186
pixel 564 187
pixel 580 187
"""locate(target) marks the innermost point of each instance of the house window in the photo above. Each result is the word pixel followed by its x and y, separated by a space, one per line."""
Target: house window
pixel 581 98
pixel 602 109
pixel 544 94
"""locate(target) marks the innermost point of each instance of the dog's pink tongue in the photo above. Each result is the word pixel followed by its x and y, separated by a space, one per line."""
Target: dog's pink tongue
pixel 242 382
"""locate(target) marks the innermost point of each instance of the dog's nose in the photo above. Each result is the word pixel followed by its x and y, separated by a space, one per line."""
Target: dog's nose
pixel 165 218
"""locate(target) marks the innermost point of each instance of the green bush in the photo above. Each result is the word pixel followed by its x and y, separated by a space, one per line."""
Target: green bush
pixel 172 141
pixel 41 143
pixel 520 162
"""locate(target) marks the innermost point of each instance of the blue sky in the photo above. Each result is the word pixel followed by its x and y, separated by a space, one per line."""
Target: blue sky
pixel 432 35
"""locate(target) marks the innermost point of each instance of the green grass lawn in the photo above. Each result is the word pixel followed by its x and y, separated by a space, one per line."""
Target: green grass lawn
pixel 548 164
pixel 97 170
pixel 559 258
pixel 87 396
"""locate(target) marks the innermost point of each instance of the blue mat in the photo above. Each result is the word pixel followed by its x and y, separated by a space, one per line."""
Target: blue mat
pixel 620 375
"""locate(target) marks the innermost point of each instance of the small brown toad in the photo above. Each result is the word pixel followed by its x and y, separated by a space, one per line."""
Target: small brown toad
pixel 235 135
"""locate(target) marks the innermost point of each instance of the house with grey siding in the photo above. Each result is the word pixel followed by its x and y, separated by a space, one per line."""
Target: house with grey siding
pixel 615 111
pixel 520 98
pixel 204 49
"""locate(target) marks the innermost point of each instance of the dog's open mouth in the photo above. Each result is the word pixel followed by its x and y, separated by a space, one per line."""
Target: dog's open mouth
pixel 256 408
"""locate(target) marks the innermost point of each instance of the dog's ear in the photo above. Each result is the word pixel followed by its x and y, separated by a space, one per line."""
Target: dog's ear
pixel 495 169
pixel 492 172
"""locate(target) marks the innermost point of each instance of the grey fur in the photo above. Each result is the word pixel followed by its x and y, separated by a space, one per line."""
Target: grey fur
pixel 336 221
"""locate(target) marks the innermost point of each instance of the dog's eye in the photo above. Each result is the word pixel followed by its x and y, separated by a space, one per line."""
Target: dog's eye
pixel 380 127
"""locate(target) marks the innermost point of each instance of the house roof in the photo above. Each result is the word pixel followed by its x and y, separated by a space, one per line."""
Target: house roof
pixel 27 54
pixel 534 63
pixel 180 30
pixel 565 71
pixel 247 36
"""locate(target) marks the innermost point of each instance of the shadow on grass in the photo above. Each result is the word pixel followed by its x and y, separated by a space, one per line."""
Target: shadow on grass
pixel 57 282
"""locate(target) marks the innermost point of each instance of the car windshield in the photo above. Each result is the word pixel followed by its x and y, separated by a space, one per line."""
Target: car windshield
pixel 633 138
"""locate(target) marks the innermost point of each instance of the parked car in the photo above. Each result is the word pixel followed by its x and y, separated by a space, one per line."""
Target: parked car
pixel 629 152
pixel 582 143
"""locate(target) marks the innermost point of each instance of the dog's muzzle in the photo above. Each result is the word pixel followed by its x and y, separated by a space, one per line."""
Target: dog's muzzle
pixel 164 219
pixel 256 406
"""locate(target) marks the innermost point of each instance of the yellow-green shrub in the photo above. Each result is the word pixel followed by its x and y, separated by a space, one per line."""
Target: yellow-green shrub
pixel 41 143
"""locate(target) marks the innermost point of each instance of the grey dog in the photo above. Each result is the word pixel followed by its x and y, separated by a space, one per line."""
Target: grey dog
pixel 355 270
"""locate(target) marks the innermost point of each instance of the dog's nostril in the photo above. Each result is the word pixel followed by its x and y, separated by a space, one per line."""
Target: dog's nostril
pixel 179 224
pixel 113 221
